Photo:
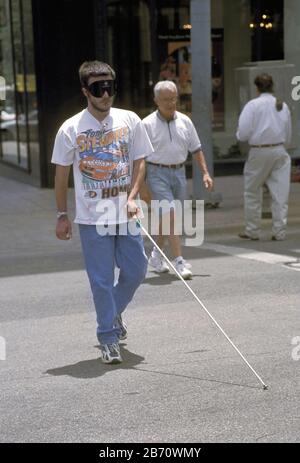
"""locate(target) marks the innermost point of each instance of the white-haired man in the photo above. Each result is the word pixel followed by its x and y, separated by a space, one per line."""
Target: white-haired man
pixel 173 136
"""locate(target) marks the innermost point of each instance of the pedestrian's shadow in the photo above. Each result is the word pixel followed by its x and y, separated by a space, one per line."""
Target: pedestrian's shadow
pixel 95 368
pixel 167 278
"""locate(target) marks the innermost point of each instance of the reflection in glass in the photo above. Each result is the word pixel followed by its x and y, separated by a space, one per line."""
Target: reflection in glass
pixel 19 118
pixel 9 148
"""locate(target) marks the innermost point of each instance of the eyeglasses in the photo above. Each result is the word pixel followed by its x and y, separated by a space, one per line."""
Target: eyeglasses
pixel 98 88
pixel 169 100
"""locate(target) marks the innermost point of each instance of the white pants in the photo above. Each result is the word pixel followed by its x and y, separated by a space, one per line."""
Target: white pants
pixel 271 166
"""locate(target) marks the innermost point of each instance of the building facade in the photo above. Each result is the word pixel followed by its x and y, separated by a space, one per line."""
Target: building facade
pixel 210 48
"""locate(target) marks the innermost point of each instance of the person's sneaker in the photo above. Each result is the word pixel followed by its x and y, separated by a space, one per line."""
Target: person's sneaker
pixel 278 238
pixel 110 353
pixel 158 264
pixel 183 268
pixel 187 264
pixel 122 327
pixel 244 236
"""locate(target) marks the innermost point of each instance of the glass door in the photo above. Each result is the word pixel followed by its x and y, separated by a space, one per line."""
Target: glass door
pixel 19 118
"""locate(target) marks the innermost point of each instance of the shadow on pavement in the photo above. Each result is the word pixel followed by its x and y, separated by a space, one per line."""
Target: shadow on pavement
pixel 95 368
pixel 176 375
pixel 167 278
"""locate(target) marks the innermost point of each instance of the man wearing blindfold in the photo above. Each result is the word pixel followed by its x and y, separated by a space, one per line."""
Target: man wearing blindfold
pixel 106 147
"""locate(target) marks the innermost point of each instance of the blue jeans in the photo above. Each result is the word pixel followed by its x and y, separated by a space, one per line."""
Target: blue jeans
pixel 102 254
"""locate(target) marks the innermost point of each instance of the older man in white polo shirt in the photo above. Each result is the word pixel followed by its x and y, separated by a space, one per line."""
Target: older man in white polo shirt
pixel 265 123
pixel 173 136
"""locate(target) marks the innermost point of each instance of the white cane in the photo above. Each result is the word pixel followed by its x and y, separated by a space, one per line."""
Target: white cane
pixel 198 300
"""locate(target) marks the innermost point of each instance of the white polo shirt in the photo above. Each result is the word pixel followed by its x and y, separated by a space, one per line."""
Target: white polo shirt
pixel 261 124
pixel 102 155
pixel 171 140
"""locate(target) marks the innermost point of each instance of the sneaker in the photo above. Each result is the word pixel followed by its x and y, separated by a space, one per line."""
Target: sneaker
pixel 183 268
pixel 158 264
pixel 110 353
pixel 187 264
pixel 122 327
pixel 244 236
pixel 278 238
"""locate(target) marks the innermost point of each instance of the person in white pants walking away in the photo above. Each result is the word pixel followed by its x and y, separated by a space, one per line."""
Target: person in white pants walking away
pixel 265 123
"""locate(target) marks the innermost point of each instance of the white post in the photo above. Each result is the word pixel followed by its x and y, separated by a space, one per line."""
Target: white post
pixel 200 14
pixel 2 88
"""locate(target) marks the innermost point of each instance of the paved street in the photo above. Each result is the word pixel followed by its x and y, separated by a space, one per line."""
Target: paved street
pixel 181 380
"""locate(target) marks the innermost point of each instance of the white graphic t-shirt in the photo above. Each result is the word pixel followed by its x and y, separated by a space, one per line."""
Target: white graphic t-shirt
pixel 102 154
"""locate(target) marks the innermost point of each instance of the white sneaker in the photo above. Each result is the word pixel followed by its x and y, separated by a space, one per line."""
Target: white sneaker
pixel 110 353
pixel 183 268
pixel 187 264
pixel 158 264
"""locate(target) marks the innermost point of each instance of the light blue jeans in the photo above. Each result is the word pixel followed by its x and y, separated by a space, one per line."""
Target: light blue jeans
pixel 102 254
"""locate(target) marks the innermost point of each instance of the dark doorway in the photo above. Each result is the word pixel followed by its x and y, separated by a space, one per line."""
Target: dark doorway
pixel 64 38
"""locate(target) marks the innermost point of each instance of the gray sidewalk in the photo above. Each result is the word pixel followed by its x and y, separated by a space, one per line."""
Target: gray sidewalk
pixel 181 381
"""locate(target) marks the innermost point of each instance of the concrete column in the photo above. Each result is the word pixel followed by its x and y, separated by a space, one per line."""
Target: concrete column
pixel 237 51
pixel 292 55
pixel 201 82
pixel 202 94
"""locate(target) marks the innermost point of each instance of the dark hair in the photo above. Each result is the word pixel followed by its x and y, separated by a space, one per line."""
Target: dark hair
pixel 265 84
pixel 94 69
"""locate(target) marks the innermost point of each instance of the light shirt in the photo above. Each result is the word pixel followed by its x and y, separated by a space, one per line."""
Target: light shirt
pixel 261 124
pixel 102 155
pixel 171 140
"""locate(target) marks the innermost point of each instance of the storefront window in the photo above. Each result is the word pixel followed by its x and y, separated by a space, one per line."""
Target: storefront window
pixel 147 42
pixel 266 30
pixel 129 51
pixel 19 121
pixel 250 41
pixel 157 46
pixel 174 50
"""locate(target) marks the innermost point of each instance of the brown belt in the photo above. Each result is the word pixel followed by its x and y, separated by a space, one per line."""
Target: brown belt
pixel 266 146
pixel 170 166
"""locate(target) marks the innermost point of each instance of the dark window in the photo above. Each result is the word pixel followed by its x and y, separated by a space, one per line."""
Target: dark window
pixel 267 30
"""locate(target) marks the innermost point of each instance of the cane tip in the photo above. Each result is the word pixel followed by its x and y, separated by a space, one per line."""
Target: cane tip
pixel 265 387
